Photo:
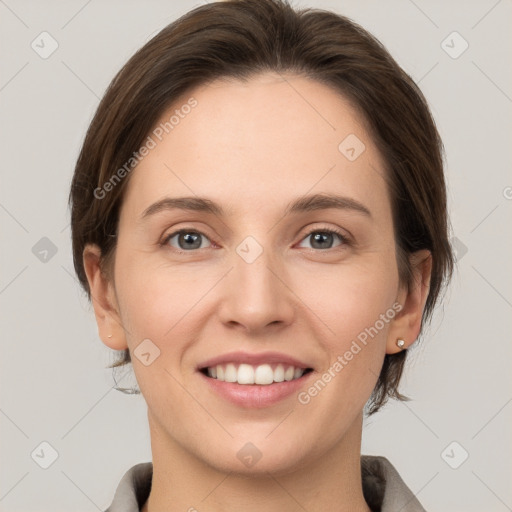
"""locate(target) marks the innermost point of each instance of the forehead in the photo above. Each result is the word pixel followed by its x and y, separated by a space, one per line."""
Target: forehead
pixel 259 142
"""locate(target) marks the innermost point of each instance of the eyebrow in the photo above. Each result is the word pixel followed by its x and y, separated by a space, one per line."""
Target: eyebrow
pixel 300 205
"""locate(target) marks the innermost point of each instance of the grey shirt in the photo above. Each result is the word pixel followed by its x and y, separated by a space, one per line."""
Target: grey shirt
pixel 383 488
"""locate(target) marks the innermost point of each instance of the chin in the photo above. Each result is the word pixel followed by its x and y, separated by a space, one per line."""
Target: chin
pixel 256 458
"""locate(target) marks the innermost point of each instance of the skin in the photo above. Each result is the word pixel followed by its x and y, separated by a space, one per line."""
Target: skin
pixel 254 147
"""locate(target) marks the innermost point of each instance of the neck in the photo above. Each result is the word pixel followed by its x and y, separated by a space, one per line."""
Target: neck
pixel 182 482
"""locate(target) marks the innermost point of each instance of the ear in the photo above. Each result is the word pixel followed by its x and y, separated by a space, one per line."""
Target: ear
pixel 407 322
pixel 104 300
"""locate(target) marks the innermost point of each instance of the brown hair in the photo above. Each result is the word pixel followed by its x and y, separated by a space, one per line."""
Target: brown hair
pixel 237 39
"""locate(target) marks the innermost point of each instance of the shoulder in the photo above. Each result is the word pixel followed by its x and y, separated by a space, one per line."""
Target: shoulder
pixel 383 488
pixel 133 489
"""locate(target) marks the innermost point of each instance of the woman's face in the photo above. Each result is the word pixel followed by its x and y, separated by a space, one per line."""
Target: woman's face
pixel 258 281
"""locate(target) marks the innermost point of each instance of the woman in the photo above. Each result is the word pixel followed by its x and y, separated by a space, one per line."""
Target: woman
pixel 259 219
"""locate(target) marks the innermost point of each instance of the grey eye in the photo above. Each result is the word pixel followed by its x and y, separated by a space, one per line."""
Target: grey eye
pixel 186 240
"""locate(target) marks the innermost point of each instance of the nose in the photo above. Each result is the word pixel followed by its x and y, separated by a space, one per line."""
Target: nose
pixel 256 296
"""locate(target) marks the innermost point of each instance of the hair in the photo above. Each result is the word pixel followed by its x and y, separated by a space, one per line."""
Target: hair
pixel 237 39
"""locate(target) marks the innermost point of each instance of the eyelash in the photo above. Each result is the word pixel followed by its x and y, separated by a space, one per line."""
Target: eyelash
pixel 331 231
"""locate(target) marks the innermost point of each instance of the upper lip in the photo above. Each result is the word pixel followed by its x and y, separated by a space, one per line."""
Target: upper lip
pixel 240 357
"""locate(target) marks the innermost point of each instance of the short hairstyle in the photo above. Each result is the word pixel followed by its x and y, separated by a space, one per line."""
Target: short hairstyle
pixel 238 39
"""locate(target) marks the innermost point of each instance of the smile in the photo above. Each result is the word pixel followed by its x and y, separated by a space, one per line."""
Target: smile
pixel 262 374
pixel 255 380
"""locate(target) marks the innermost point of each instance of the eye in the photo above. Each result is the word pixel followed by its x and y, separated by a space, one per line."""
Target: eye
pixel 322 238
pixel 187 239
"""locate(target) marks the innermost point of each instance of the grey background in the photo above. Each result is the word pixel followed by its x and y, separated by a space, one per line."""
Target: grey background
pixel 55 387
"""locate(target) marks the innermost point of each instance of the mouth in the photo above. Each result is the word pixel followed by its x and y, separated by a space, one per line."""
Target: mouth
pixel 250 374
pixel 254 380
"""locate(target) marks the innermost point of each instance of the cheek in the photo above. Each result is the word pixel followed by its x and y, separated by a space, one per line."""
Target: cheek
pixel 162 303
pixel 351 298
pixel 357 308
pixel 354 304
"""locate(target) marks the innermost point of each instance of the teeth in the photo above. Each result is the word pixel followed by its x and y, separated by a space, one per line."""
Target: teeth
pixel 297 373
pixel 289 373
pixel 279 373
pixel 262 374
pixel 230 375
pixel 245 374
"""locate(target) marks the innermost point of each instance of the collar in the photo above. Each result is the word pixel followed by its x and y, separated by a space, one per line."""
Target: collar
pixel 383 488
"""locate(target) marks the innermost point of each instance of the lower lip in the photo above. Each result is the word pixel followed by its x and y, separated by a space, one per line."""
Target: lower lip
pixel 255 396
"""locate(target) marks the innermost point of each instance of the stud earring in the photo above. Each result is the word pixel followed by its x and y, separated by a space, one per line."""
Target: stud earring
pixel 400 344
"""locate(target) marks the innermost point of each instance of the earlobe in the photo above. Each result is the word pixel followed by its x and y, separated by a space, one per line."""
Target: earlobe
pixel 406 325
pixel 110 328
